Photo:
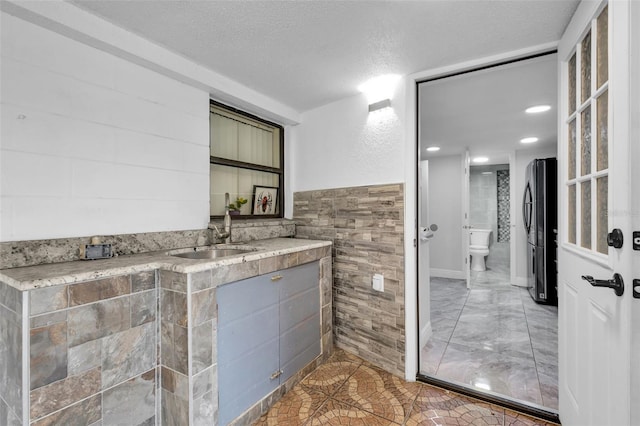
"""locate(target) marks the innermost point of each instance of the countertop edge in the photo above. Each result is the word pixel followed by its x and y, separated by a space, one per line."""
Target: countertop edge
pixel 143 262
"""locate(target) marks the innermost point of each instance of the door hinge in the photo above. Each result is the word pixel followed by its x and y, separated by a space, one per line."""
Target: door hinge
pixel 415 242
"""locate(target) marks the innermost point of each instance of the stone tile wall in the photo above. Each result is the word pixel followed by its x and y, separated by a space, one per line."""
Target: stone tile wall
pixel 366 225
pixel 188 331
pixel 504 204
pixel 15 254
pixel 257 229
pixel 93 352
pixel 11 368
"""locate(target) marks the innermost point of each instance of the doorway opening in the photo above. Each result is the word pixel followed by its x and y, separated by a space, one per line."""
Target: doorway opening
pixel 483 334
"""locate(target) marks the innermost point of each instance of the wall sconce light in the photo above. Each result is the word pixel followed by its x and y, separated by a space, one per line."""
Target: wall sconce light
pixel 379 105
pixel 379 91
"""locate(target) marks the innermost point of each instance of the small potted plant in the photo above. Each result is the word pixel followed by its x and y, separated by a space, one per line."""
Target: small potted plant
pixel 234 208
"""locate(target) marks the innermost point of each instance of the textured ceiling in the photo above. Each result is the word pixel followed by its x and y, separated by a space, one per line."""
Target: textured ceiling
pixel 484 110
pixel 305 54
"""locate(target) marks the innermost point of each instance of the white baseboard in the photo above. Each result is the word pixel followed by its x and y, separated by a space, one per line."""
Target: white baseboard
pixel 447 273
pixel 425 334
pixel 520 282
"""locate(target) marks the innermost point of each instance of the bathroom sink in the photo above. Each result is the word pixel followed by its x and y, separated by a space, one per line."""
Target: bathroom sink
pixel 211 253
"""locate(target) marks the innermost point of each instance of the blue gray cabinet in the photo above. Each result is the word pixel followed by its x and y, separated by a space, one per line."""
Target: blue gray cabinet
pixel 268 329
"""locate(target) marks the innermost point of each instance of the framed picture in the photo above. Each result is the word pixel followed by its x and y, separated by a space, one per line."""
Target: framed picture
pixel 265 199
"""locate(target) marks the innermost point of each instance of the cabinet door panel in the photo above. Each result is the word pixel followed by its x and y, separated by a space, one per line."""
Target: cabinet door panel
pixel 299 346
pixel 299 279
pixel 245 380
pixel 241 336
pixel 299 295
pixel 299 318
pixel 242 298
pixel 248 348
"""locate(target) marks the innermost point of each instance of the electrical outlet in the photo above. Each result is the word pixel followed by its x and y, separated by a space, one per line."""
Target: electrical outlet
pixel 378 282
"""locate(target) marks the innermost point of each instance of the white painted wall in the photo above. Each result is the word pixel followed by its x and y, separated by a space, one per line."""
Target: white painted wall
pixel 523 158
pixel 341 145
pixel 446 187
pixel 94 144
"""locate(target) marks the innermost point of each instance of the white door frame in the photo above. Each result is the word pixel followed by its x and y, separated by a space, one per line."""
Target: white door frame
pixel 410 213
pixel 513 208
pixel 466 215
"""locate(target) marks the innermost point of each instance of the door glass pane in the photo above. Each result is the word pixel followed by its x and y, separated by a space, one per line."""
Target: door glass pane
pixel 602 48
pixel 585 67
pixel 572 214
pixel 602 194
pixel 585 145
pixel 572 84
pixel 602 132
pixel 585 216
pixel 572 150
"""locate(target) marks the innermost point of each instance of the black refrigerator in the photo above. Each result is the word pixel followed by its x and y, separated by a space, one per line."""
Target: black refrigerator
pixel 540 215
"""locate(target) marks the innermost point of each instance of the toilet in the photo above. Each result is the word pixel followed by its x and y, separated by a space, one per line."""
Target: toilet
pixel 479 248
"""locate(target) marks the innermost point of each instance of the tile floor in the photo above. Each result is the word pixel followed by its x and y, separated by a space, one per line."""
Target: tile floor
pixel 349 391
pixel 493 337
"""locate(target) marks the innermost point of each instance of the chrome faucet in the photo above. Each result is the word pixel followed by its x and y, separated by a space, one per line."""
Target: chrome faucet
pixel 227 222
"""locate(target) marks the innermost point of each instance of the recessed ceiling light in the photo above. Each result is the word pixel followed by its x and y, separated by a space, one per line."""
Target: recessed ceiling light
pixel 529 140
pixel 487 173
pixel 433 148
pixel 537 108
pixel 480 160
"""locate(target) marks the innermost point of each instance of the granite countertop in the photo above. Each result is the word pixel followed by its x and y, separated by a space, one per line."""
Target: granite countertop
pixel 32 277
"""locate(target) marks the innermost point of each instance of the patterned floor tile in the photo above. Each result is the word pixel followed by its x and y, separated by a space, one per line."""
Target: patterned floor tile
pixel 328 377
pixel 336 413
pixel 349 391
pixel 294 409
pixel 437 407
pixel 342 355
pixel 378 392
pixel 511 418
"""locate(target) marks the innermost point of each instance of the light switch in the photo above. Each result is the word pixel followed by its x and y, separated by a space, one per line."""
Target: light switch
pixel 378 282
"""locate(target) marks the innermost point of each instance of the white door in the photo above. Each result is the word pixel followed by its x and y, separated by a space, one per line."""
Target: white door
pixel 635 177
pixel 594 198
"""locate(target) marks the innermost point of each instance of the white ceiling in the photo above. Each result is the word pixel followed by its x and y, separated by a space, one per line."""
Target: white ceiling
pixel 484 110
pixel 306 54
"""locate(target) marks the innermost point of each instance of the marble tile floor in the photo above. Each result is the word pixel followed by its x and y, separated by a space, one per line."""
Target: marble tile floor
pixel 347 390
pixel 493 337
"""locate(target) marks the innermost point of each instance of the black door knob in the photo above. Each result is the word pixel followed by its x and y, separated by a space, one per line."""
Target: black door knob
pixel 615 239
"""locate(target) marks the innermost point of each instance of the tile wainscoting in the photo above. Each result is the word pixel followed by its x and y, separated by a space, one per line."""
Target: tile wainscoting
pixel 366 226
pixel 92 352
